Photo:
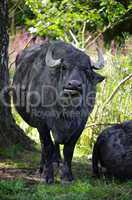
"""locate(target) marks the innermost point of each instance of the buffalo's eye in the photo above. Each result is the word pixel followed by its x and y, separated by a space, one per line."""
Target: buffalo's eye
pixel 86 72
pixel 63 67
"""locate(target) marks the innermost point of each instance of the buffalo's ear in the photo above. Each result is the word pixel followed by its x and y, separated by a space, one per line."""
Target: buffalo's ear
pixel 97 78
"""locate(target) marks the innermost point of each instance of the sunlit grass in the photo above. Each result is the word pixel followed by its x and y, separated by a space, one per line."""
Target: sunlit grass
pixel 118 109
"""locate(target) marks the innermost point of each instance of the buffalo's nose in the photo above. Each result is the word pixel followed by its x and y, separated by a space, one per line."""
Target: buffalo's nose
pixel 74 84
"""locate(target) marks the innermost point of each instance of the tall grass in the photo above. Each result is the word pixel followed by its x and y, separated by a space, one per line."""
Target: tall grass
pixel 112 110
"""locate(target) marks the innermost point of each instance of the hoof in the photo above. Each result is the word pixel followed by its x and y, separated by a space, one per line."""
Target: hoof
pixel 47 175
pixel 67 179
pixel 66 182
pixel 65 174
pixel 56 168
pixel 47 180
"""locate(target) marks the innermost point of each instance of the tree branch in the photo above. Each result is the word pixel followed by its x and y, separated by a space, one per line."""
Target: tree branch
pixel 74 38
pixel 100 124
pixel 117 88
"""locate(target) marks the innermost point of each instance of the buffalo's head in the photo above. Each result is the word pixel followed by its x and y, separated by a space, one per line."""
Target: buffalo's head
pixel 72 73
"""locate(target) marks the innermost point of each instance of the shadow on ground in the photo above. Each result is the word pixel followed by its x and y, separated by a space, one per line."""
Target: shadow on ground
pixel 25 166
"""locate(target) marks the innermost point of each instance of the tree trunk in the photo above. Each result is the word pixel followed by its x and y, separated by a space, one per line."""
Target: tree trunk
pixel 10 133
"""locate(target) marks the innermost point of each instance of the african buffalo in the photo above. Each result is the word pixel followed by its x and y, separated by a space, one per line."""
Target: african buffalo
pixel 54 90
pixel 113 151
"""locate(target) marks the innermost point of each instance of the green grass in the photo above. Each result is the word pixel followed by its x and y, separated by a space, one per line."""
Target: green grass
pixel 84 187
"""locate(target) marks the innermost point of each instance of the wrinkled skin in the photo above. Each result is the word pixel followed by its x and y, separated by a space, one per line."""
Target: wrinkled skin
pixel 74 81
pixel 113 151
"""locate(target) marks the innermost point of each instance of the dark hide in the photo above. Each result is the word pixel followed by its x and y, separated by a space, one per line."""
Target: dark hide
pixel 57 99
pixel 113 151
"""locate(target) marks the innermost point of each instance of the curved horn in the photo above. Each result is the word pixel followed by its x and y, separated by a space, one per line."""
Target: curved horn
pixel 49 59
pixel 100 63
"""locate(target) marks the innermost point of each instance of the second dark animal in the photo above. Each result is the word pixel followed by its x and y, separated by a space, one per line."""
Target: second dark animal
pixel 113 151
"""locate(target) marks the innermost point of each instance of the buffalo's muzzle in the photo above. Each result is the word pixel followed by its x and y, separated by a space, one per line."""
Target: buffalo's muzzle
pixel 71 92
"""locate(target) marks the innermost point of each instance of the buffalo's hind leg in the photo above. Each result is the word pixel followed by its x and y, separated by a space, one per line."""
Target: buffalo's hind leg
pixel 95 160
pixel 47 151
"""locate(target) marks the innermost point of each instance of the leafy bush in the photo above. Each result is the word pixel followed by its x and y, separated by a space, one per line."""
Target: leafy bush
pixel 73 20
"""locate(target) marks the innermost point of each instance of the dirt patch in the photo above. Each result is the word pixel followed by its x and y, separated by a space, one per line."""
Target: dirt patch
pixel 29 175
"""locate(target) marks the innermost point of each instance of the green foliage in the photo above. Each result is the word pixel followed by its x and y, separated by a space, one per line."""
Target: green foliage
pixel 70 20
pixel 118 109
pixel 18 13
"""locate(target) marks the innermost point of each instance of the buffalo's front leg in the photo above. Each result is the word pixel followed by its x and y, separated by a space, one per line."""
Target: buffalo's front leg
pixel 46 166
pixel 66 171
pixel 56 154
pixel 56 157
